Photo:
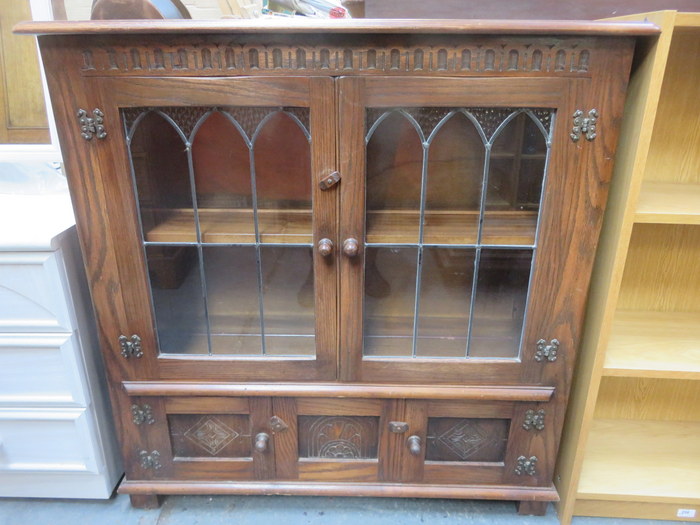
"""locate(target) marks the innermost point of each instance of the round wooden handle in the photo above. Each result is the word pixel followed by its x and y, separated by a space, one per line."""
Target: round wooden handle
pixel 351 247
pixel 261 441
pixel 413 443
pixel 325 247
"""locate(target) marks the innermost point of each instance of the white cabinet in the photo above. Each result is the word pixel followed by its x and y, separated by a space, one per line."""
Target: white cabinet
pixel 56 434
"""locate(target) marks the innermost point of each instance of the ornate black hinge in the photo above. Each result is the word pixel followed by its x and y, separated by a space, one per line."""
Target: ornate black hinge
pixel 150 461
pixel 547 352
pixel 526 466
pixel 142 414
pixel 585 125
pixel 534 420
pixel 91 126
pixel 130 346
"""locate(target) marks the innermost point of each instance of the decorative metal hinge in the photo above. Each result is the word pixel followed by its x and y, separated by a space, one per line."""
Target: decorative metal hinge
pixel 277 424
pixel 584 125
pixel 91 126
pixel 142 414
pixel 150 461
pixel 130 346
pixel 546 352
pixel 534 420
pixel 328 182
pixel 526 466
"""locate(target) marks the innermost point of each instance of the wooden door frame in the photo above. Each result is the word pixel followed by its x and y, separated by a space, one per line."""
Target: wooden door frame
pixel 549 279
pixel 114 93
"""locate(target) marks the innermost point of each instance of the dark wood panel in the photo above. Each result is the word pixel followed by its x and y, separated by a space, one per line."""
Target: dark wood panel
pixel 206 405
pixel 286 438
pixel 454 92
pixel 210 92
pixel 459 474
pixel 352 471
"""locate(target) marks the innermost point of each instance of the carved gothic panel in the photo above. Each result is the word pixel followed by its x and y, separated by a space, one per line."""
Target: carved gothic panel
pixel 457 439
pixel 218 435
pixel 338 437
pixel 186 118
pixel 429 118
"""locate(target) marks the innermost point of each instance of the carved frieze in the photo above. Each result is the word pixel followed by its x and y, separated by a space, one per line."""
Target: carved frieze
pixel 558 57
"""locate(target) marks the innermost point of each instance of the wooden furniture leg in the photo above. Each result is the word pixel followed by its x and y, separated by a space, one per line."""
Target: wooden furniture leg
pixel 146 501
pixel 532 508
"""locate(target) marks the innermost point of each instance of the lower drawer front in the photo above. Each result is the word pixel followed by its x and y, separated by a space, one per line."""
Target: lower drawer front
pixel 331 439
pixel 47 440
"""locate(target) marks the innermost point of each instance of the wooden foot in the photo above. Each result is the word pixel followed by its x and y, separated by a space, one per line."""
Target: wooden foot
pixel 532 508
pixel 145 501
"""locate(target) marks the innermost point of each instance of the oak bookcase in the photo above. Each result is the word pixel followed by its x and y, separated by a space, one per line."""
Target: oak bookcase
pixel 339 259
pixel 631 443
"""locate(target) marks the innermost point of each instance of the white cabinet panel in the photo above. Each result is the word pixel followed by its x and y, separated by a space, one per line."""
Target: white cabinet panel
pixel 41 369
pixel 32 293
pixel 46 440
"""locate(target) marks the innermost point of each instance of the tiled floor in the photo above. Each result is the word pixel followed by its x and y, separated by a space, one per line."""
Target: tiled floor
pixel 280 510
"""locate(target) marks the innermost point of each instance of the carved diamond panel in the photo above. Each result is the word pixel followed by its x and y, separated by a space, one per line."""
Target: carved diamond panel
pixel 211 434
pixel 338 437
pixel 218 435
pixel 457 439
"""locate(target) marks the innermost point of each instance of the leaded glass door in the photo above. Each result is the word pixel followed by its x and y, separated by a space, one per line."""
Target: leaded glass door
pixel 443 196
pixel 234 233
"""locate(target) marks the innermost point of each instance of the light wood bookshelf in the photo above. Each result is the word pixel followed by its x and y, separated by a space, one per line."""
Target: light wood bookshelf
pixel 631 444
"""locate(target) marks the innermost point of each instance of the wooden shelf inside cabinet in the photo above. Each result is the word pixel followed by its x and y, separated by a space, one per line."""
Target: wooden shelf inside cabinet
pixel 645 461
pixel 220 225
pixel 383 227
pixel 452 227
pixel 654 344
pixel 668 203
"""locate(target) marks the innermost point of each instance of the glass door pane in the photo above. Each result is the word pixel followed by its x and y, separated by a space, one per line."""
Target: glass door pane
pixel 225 204
pixel 452 203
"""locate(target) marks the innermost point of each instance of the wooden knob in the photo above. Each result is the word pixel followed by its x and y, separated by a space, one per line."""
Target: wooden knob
pixel 413 443
pixel 261 441
pixel 325 247
pixel 351 247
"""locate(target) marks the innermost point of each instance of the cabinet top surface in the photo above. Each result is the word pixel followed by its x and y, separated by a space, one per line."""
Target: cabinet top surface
pixel 378 26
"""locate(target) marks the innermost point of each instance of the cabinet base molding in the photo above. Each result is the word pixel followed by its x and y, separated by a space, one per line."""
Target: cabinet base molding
pixel 389 490
pixel 636 509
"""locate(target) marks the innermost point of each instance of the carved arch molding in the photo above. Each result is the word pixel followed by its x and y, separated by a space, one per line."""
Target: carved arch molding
pixel 454 56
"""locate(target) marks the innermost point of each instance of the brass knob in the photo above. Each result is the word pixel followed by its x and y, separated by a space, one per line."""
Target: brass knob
pixel 261 441
pixel 325 247
pixel 413 443
pixel 351 247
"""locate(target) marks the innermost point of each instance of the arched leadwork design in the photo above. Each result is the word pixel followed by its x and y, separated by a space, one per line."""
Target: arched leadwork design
pixel 493 198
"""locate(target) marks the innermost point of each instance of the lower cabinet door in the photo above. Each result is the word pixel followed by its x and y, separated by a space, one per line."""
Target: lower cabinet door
pixel 202 438
pixel 465 442
pixel 318 439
